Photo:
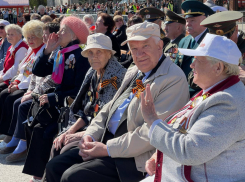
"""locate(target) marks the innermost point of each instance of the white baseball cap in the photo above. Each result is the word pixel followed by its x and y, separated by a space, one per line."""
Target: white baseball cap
pixel 216 46
pixel 4 22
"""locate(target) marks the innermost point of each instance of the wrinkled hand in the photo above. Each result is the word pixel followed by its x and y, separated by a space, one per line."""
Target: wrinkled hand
pixel 43 99
pixel 52 43
pixel 26 98
pixel 12 88
pixel 73 137
pixel 59 141
pixel 90 150
pixel 1 79
pixel 28 92
pixel 147 106
pixel 86 139
pixel 150 165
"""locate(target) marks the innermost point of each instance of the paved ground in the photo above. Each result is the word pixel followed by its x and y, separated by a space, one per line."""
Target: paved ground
pixel 12 172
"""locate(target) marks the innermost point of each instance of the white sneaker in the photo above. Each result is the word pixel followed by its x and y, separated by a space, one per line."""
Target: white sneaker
pixel 2 137
pixel 35 180
pixel 3 144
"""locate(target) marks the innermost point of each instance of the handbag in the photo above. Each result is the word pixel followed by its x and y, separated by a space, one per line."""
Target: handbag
pixel 42 114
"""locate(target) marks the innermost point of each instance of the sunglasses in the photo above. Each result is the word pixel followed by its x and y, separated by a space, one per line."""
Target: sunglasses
pixel 2 27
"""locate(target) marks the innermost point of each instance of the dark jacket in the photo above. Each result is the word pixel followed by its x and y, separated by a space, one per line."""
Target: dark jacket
pixel 72 78
pixel 121 36
pixel 3 51
pixel 77 109
pixel 115 45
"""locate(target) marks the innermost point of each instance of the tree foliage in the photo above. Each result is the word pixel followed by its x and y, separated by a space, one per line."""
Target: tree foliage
pixel 37 2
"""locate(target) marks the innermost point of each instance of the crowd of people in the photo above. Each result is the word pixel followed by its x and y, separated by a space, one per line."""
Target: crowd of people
pixel 108 100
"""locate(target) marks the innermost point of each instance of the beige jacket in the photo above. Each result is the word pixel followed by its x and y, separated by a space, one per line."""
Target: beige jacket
pixel 170 92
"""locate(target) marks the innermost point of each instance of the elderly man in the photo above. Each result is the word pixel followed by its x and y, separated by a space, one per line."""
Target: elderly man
pixel 41 10
pixel 203 141
pixel 175 31
pixel 116 143
pixel 195 13
pixel 155 15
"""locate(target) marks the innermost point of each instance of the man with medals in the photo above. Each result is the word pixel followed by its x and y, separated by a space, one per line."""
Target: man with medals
pixel 225 24
pixel 195 13
pixel 203 141
pixel 175 31
pixel 155 15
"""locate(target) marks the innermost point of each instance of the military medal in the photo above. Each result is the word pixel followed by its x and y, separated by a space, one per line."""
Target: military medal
pixel 89 93
pixel 95 114
pixel 66 67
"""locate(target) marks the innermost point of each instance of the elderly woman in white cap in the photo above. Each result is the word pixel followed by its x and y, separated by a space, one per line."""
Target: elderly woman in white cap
pixel 4 44
pixel 99 86
pixel 205 140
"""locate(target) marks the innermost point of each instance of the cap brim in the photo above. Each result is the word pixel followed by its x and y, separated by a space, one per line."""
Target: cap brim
pixel 191 52
pixel 168 22
pixel 192 15
pixel 85 51
pixel 136 38
pixel 151 20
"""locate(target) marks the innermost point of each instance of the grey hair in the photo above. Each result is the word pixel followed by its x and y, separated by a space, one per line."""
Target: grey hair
pixel 90 17
pixel 40 7
pixel 229 69
pixel 156 39
pixel 17 28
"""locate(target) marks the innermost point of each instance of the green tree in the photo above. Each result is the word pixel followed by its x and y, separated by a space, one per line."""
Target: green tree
pixel 37 3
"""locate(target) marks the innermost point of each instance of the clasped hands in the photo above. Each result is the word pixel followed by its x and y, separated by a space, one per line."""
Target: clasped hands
pixel 90 149
pixel 12 87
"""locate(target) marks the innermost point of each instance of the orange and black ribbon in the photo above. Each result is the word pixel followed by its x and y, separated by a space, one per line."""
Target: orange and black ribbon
pixel 139 88
pixel 112 81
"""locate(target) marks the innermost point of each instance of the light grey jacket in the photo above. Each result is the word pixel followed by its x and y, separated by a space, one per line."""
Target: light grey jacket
pixel 169 90
pixel 214 145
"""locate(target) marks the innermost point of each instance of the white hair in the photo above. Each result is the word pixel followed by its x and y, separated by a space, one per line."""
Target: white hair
pixel 229 69
pixel 40 7
pixel 17 28
pixel 90 17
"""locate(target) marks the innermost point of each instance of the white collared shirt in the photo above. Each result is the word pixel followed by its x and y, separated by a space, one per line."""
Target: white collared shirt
pixel 199 36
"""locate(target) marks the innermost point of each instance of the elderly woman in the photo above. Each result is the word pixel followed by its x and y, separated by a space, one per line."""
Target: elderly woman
pixel 100 85
pixel 38 85
pixel 15 54
pixel 68 70
pixel 32 31
pixel 89 20
pixel 203 141
pixel 4 44
pixel 98 88
pixel 105 25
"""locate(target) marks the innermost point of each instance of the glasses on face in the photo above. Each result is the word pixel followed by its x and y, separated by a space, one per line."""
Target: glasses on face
pixel 96 54
pixel 2 27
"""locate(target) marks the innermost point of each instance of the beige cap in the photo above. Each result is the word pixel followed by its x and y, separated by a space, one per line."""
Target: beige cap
pixel 142 31
pixel 99 41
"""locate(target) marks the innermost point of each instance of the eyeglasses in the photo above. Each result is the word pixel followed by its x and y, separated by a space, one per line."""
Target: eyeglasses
pixel 2 27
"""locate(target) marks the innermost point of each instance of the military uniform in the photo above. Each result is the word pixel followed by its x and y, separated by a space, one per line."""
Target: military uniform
pixel 192 8
pixel 224 24
pixel 151 15
pixel 171 48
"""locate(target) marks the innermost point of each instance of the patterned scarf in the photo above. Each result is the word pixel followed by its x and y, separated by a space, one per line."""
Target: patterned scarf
pixel 59 63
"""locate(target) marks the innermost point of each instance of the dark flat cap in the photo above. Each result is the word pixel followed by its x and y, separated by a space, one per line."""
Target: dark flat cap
pixel 193 8
pixel 173 17
pixel 151 14
pixel 222 23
